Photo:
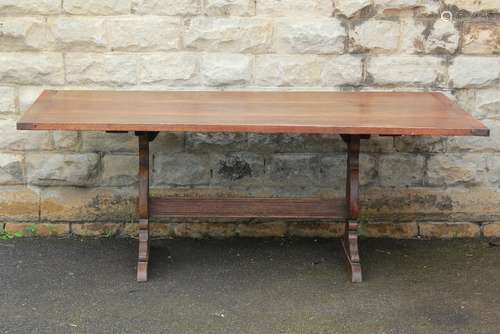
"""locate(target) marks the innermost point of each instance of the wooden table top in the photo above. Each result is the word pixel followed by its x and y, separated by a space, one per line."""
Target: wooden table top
pixel 386 113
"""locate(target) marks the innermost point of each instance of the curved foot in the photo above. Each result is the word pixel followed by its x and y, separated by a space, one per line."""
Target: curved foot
pixel 350 246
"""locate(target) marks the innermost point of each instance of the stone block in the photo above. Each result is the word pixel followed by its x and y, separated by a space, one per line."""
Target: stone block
pixel 95 229
pixel 489 6
pixel 226 69
pixel 446 230
pixel 399 170
pixel 78 33
pixel 14 140
pixel 262 230
pixel 351 7
pixel 167 7
pixel 7 100
pixel 392 230
pixel 18 203
pixel 424 6
pixel 477 144
pixel 453 169
pixel 276 8
pixel 119 170
pixel 491 230
pixel 316 230
pixel 216 34
pixel 168 69
pixel 30 7
pixel 11 169
pixel 319 36
pixel 37 230
pixel 429 37
pixel 109 142
pixel 288 70
pixel 230 7
pixel 342 70
pixel 27 68
pixel 97 7
pixel 65 140
pixel 237 169
pixel 24 34
pixel 417 144
pixel 210 142
pixel 181 169
pixel 481 38
pixel 61 169
pixel 469 71
pixel 487 104
pixel 375 35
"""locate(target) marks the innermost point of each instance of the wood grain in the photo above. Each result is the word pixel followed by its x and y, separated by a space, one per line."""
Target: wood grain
pixel 385 113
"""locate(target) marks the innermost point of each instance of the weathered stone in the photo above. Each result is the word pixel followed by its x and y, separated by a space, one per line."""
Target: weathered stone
pixel 95 229
pixel 477 144
pixel 170 69
pixel 101 69
pixel 230 7
pixel 441 37
pixel 65 139
pixel 378 144
pixel 24 34
pixel 316 230
pixel 237 169
pixel 37 230
pixel 262 230
pixel 491 230
pixel 226 69
pixel 351 7
pixel 7 99
pixel 204 230
pixel 488 104
pixel 294 8
pixel 320 36
pixel 39 7
pixel 181 169
pixel 414 144
pixel 295 143
pixel 493 169
pixel 78 33
pixel 492 6
pixel 11 169
pixel 229 34
pixel 405 70
pixel 12 139
pixel 210 142
pixel 481 38
pixel 467 71
pixel 171 142
pixel 451 169
pixel 444 230
pixel 393 230
pixel 18 203
pixel 109 142
pixel 166 7
pixel 400 170
pixel 69 204
pixel 342 70
pixel 31 68
pixel 97 7
pixel 288 70
pixel 424 6
pixel 27 96
pixel 144 33
pixel 294 171
pixel 119 170
pixel 61 169
pixel 375 36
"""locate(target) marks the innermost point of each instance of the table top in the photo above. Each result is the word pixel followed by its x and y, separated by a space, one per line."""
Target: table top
pixel 385 113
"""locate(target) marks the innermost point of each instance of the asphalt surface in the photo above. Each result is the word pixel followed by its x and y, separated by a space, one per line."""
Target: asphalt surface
pixel 248 286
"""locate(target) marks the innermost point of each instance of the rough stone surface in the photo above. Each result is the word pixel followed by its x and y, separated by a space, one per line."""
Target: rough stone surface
pixel 400 170
pixel 342 70
pixel 79 34
pixel 97 7
pixel 61 169
pixel 229 34
pixel 226 69
pixel 29 7
pixel 351 7
pixel 170 169
pixel 468 71
pixel 166 7
pixel 95 229
pixel 11 169
pixel 31 68
pixel 102 142
pixel 262 230
pixel 18 203
pixel 119 170
pixel 13 140
pixel 492 6
pixel 24 34
pixel 325 36
pixel 230 7
pixel 295 8
pixel 7 100
pixel 491 230
pixel 481 38
pixel 439 37
pixel 449 230
pixel 375 35
pixel 449 169
pixel 37 230
pixel 389 230
pixel 288 70
pixel 405 70
pixel 168 69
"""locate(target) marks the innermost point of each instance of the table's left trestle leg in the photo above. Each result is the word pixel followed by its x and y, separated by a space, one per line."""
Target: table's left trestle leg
pixel 143 204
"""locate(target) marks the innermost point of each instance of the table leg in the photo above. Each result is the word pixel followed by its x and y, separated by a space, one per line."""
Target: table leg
pixel 350 239
pixel 143 204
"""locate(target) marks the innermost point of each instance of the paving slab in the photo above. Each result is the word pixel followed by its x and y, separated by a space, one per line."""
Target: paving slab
pixel 248 286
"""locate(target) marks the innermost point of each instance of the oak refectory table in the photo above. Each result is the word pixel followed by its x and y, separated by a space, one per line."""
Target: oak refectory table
pixel 352 115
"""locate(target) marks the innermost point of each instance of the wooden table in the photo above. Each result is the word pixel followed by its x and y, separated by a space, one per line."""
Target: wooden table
pixel 354 116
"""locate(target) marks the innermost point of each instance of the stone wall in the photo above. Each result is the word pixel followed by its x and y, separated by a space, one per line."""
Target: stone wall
pixel 85 183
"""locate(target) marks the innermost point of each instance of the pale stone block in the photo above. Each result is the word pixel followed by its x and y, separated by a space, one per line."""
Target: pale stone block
pixel 307 8
pixel 68 204
pixel 406 70
pixel 399 170
pixel 492 6
pixel 61 169
pixel 446 230
pixel 12 139
pixel 109 142
pixel 18 203
pixel 101 69
pixel 375 35
pixel 491 230
pixel 181 169
pixel 167 7
pixel 342 70
pixel 230 7
pixel 7 99
pixel 24 34
pixel 493 168
pixel 65 139
pixel 31 68
pixel 478 144
pixel 170 69
pixel 468 71
pixel 320 36
pixel 78 33
pixel 28 95
pixel 11 169
pixel 28 7
pixel 453 169
pixel 97 7
pixel 487 104
pixel 144 33
pixel 425 6
pixel 119 170
pixel 440 37
pixel 229 34
pixel 288 70
pixel 481 38
pixel 226 69
pixel 351 7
